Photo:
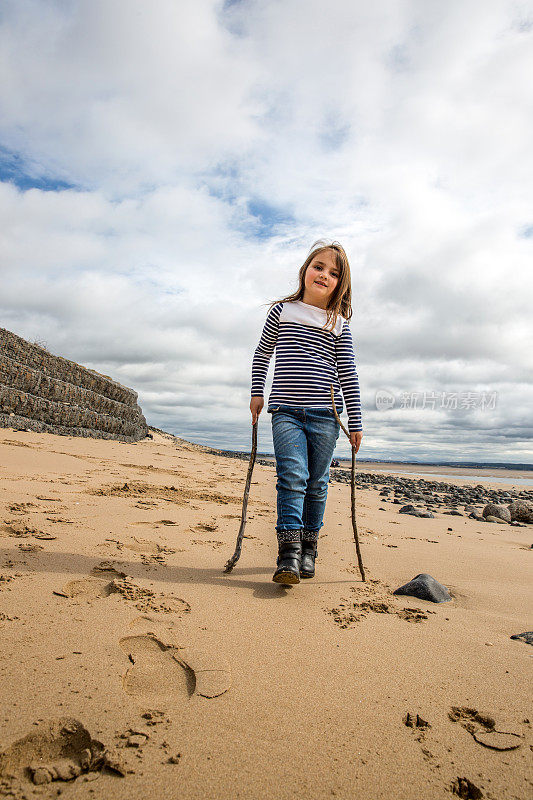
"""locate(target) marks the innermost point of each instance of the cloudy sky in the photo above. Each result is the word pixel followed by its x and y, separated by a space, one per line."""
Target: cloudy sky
pixel 166 165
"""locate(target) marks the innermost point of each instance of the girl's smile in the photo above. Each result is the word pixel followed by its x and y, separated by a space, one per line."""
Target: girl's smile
pixel 321 279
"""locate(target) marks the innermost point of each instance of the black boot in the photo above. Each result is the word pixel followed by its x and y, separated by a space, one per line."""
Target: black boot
pixel 289 556
pixel 309 551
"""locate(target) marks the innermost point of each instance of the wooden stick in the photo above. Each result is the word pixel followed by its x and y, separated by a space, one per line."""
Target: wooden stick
pixel 236 555
pixel 352 492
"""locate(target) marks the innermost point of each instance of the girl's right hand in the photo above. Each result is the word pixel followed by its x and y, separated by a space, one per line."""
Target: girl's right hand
pixel 256 406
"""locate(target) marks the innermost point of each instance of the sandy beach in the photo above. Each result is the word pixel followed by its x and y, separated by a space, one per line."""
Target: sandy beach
pixel 117 619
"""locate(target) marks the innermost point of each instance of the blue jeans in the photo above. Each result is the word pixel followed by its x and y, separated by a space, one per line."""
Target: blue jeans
pixel 304 441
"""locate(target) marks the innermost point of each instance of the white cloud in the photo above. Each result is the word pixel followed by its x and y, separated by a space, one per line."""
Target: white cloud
pixel 209 144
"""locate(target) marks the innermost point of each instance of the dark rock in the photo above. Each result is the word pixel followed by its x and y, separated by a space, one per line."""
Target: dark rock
pixel 415 512
pixel 425 587
pixel 521 511
pixel 526 637
pixel 495 510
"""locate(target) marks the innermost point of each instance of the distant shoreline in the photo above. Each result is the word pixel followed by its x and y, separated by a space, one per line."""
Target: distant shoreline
pixel 523 472
pixel 497 467
pixel 451 468
pixel 473 469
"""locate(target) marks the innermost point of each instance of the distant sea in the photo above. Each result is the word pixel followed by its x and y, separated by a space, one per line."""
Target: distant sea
pixel 517 474
pixel 527 482
pixel 495 472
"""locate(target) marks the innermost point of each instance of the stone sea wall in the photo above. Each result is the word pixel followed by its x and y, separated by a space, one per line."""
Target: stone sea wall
pixel 43 392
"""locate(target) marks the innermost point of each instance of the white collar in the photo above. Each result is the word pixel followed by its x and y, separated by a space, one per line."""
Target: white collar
pixel 306 314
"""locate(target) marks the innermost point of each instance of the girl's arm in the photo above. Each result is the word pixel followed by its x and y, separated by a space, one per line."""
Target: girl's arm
pixel 348 378
pixel 264 350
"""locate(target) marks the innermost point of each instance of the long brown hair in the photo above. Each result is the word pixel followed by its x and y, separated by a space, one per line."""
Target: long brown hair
pixel 340 301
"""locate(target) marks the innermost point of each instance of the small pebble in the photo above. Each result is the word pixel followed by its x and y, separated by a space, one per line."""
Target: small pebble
pixel 136 740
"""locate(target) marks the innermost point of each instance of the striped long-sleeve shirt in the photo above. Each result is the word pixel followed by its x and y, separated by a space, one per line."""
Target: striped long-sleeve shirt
pixel 308 360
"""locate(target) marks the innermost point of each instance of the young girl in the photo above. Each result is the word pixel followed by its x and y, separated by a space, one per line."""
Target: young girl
pixel 310 333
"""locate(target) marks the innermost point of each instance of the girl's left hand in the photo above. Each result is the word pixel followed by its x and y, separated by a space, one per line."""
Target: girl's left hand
pixel 356 438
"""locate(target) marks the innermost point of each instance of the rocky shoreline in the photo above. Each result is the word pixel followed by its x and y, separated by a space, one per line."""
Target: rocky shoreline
pixel 477 502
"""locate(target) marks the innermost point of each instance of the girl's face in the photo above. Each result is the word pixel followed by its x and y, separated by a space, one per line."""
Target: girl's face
pixel 321 278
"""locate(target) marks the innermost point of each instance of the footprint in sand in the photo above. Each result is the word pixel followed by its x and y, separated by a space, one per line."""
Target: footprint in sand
pixel 21 508
pixel 149 552
pixel 146 599
pixel 139 545
pixel 204 526
pixel 20 529
pixel 5 579
pixel 98 584
pixel 106 580
pixel 213 542
pixel 86 588
pixel 376 597
pixel 416 722
pixel 163 676
pixel 466 789
pixel 155 679
pixel 213 675
pixel 146 504
pixel 483 728
pixel 420 727
pixel 29 547
pixel 146 547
